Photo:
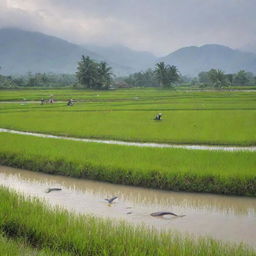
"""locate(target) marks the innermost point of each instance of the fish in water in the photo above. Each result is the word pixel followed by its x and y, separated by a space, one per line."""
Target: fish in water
pixel 52 189
pixel 111 200
pixel 158 214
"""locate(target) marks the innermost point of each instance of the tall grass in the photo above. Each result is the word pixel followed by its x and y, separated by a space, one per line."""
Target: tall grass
pixel 170 169
pixel 19 247
pixel 85 235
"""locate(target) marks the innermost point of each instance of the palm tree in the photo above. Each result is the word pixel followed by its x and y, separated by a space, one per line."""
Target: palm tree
pixel 166 74
pixel 161 73
pixel 104 75
pixel 217 78
pixel 173 74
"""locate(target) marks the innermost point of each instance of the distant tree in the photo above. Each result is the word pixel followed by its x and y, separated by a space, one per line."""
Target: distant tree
pixel 172 74
pixel 6 82
pixel 243 78
pixel 93 75
pixel 230 78
pixel 185 79
pixel 20 81
pixel 217 78
pixel 203 78
pixel 161 74
pixel 104 76
pixel 146 78
pixel 38 80
pixel 87 73
pixel 166 75
pixel 194 81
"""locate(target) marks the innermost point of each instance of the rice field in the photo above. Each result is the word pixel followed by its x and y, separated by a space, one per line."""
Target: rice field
pixel 63 233
pixel 166 168
pixel 27 227
pixel 214 118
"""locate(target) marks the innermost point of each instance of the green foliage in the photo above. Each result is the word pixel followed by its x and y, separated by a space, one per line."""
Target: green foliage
pixel 203 78
pixel 69 234
pixel 21 247
pixel 173 74
pixel 142 79
pixel 104 76
pixel 217 79
pixel 93 75
pixel 6 82
pixel 244 78
pixel 37 80
pixel 166 75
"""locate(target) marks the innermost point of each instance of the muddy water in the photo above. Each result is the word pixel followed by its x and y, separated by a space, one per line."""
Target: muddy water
pixel 135 144
pixel 221 217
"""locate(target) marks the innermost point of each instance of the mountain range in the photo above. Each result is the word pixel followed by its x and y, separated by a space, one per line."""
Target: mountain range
pixel 192 60
pixel 24 51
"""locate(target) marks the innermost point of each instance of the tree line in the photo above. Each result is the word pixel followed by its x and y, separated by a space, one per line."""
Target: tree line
pixel 168 76
pixel 163 75
pixel 217 78
pixel 98 75
pixel 37 80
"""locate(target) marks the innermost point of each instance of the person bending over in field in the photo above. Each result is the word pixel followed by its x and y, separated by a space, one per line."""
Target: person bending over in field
pixel 158 117
pixel 70 102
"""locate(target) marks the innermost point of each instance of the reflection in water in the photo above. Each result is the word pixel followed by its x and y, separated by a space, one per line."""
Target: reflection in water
pixel 142 196
pixel 222 217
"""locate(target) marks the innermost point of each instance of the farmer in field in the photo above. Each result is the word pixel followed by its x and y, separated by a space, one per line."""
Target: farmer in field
pixel 70 102
pixel 42 101
pixel 158 117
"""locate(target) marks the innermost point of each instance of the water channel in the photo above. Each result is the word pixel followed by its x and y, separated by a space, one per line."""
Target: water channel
pixel 226 218
pixel 135 144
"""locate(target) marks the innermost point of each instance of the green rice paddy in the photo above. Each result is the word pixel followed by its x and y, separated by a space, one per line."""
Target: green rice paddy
pixel 189 117
pixel 219 117
pixel 166 168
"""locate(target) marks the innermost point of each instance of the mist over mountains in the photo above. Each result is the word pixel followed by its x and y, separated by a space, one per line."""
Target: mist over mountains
pixel 23 51
pixel 134 60
pixel 192 60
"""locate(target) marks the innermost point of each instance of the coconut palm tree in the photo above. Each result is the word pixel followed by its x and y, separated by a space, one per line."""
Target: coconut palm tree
pixel 104 76
pixel 166 74
pixel 173 74
pixel 217 78
pixel 161 73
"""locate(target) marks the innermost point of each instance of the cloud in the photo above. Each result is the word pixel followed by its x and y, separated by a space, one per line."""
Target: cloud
pixel 159 26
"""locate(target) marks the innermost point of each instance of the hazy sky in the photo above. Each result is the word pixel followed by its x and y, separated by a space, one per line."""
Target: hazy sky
pixel 159 26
